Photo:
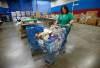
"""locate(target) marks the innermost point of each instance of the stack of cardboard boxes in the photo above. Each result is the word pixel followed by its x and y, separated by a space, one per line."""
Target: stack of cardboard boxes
pixel 98 24
pixel 90 18
pixel 77 16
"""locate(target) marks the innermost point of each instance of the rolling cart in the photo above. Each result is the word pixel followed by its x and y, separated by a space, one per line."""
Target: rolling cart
pixel 54 46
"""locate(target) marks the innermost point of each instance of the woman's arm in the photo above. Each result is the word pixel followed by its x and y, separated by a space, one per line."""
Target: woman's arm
pixel 72 18
pixel 72 21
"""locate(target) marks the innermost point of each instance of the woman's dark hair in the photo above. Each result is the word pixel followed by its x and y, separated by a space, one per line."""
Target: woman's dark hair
pixel 65 7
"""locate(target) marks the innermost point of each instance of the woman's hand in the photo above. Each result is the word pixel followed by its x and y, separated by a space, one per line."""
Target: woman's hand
pixel 68 24
pixel 72 21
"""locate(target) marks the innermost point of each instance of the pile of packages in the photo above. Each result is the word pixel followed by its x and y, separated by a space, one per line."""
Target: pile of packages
pixel 98 22
pixel 90 18
pixel 51 38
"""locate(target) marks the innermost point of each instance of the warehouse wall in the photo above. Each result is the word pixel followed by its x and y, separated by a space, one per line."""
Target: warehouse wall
pixel 26 5
pixel 13 5
pixel 84 5
pixel 89 5
pixel 29 5
pixel 3 10
pixel 43 6
pixel 20 5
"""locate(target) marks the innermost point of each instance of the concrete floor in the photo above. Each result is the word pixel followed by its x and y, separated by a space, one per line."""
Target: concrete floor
pixel 82 49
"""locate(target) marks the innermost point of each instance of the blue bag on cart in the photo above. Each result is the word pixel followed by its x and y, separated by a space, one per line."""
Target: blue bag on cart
pixel 31 32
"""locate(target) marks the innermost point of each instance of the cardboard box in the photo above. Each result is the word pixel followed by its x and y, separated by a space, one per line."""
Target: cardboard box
pixel 92 21
pixel 77 16
pixel 38 14
pixel 23 14
pixel 18 13
pixel 92 17
pixel 89 18
pixel 98 23
pixel 13 14
pixel 92 13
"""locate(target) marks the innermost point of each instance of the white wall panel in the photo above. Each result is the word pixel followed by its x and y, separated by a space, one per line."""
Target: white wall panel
pixel 60 2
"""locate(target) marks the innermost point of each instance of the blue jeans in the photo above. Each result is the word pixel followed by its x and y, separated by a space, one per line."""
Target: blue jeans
pixel 65 40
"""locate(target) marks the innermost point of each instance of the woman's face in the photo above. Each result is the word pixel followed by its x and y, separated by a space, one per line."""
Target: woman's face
pixel 64 10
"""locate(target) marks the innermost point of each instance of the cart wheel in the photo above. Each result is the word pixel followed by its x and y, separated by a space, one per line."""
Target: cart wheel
pixel 62 52
pixel 49 62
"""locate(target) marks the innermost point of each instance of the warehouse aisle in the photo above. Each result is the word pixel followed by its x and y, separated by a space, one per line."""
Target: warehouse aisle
pixel 82 49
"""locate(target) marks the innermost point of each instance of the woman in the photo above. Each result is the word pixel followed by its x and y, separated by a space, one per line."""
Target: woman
pixel 65 19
